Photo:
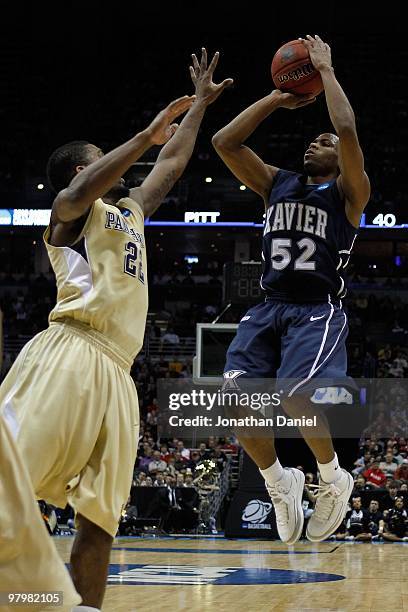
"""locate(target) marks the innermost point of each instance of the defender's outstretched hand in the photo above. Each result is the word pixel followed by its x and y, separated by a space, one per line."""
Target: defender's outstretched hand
pixel 206 90
pixel 319 51
pixel 161 128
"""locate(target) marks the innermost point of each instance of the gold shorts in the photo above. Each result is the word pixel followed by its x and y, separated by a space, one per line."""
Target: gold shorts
pixel 29 560
pixel 77 420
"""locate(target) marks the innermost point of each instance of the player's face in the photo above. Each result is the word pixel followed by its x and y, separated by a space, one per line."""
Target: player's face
pixel 357 504
pixel 321 157
pixel 119 190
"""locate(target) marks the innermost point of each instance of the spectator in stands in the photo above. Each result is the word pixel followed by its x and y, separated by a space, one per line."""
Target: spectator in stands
pixel 388 466
pixel 396 522
pixel 152 442
pixel 170 337
pixel 362 464
pixel 356 522
pixel 375 519
pixel 309 495
pixel 188 479
pixel 212 443
pixel 151 416
pixel 398 366
pixel 219 457
pixel 140 477
pixel 179 462
pixel 164 452
pixel 185 453
pixel 374 476
pixel 170 480
pixel 180 480
pixel 195 459
pixel 146 458
pixel 156 464
pixel 173 444
pixel 148 482
pixel 171 468
pixel 204 453
pixel 230 444
pixel 397 455
pixel 402 445
pixel 360 485
pixel 159 482
pixel 388 499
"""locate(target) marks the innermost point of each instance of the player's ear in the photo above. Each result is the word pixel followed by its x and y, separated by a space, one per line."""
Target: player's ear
pixel 79 168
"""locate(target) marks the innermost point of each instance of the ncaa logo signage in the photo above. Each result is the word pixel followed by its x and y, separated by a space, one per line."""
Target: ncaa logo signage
pixel 192 575
pixel 255 515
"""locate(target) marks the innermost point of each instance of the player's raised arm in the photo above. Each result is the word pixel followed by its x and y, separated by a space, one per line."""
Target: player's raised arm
pixel 93 181
pixel 353 181
pixel 243 162
pixel 180 140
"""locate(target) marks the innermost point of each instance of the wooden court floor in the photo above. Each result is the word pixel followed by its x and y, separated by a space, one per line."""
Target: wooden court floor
pixel 199 574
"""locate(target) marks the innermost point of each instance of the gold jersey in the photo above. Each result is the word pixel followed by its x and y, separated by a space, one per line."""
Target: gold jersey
pixel 102 277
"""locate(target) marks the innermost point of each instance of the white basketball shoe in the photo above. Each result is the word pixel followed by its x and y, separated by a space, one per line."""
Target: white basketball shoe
pixel 331 507
pixel 286 496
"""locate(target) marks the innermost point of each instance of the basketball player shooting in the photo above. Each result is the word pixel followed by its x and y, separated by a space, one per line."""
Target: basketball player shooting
pixel 69 393
pixel 299 331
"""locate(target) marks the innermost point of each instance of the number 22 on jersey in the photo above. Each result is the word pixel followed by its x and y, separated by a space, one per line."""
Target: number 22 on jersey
pixel 133 261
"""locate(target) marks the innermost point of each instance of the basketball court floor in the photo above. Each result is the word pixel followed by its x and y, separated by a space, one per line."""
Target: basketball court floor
pixel 211 573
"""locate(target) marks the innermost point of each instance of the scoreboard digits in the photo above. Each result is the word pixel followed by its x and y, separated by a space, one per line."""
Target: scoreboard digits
pixel 241 282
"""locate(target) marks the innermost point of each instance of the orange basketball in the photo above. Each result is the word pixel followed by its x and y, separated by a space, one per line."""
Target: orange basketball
pixel 293 71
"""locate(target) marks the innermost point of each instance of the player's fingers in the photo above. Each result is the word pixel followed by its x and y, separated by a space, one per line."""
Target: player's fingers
pixel 203 64
pixel 193 74
pixel 176 107
pixel 226 83
pixel 214 62
pixel 183 106
pixel 305 42
pixel 196 64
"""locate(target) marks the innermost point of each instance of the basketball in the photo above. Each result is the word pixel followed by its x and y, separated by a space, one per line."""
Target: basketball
pixel 293 72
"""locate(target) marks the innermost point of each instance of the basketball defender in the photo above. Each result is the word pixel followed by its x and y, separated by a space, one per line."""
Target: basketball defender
pixel 70 391
pixel 299 331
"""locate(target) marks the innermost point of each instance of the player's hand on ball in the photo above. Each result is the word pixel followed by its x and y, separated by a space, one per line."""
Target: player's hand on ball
pixel 162 127
pixel 319 51
pixel 206 90
pixel 291 101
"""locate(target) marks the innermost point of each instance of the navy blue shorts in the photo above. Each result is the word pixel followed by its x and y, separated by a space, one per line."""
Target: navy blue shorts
pixel 297 344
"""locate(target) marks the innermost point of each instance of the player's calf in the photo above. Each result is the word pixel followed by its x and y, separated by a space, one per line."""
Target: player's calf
pixel 90 561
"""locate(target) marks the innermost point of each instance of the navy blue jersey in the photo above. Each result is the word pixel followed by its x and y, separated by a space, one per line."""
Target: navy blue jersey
pixel 307 241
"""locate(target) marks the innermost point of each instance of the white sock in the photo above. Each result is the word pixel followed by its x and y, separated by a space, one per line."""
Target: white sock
pixel 85 609
pixel 330 472
pixel 273 473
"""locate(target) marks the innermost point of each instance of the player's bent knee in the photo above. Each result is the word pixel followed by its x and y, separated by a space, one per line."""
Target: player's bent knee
pixel 294 406
pixel 91 531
